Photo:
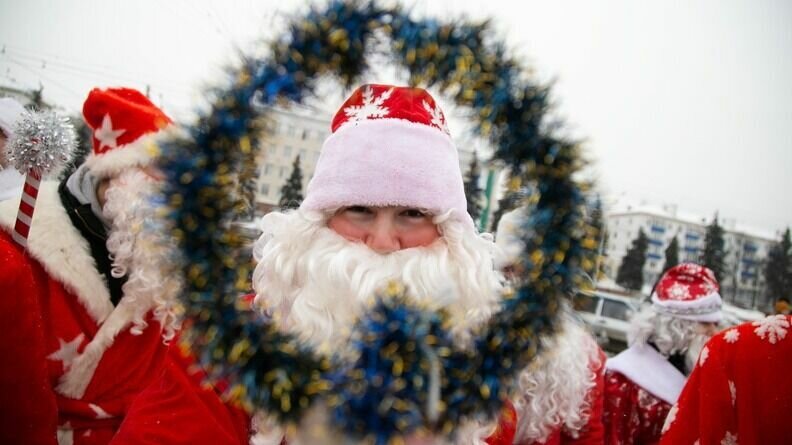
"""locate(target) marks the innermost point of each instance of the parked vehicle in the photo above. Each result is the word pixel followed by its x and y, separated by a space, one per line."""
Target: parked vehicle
pixel 607 316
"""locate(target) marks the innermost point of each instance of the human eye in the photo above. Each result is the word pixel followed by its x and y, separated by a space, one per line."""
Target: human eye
pixel 362 210
pixel 413 213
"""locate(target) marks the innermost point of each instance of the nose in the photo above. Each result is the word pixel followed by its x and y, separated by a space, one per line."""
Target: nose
pixel 382 238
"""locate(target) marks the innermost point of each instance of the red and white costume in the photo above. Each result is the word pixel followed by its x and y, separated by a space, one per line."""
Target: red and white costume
pixel 641 384
pixel 740 391
pixel 77 368
pixel 562 395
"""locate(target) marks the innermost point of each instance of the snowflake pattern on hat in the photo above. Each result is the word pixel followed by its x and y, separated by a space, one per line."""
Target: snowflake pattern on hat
pixel 438 120
pixel 374 101
pixel 686 282
pixel 372 106
pixel 678 291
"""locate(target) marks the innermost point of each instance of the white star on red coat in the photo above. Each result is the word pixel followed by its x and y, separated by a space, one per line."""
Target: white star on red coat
pixel 105 134
pixel 67 351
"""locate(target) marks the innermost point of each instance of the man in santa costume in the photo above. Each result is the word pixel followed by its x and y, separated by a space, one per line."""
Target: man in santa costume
pixel 387 202
pixel 740 391
pixel 644 381
pixel 90 302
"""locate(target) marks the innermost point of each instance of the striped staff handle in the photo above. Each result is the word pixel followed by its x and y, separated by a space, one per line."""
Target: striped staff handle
pixel 26 207
pixel 40 143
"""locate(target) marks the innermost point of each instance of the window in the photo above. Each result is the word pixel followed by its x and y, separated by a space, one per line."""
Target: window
pixel 305 134
pixel 287 151
pixel 265 189
pixel 282 172
pixel 267 169
pixel 616 309
pixel 585 303
pixel 303 154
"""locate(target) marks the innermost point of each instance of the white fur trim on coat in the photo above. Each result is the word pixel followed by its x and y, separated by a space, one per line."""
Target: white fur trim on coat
pixel 66 256
pixel 60 248
pixel 647 368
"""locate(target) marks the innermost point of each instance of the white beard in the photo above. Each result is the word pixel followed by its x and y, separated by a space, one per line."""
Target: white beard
pixel 694 349
pixel 141 249
pixel 317 284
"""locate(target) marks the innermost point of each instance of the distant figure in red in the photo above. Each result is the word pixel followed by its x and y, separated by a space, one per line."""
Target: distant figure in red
pixel 644 381
pixel 740 391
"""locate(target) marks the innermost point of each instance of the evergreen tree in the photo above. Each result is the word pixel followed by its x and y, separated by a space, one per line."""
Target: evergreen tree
pixel 473 192
pixel 671 254
pixel 778 271
pixel 714 255
pixel 291 192
pixel 630 274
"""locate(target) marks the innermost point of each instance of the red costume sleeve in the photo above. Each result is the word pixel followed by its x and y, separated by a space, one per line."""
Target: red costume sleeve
pixel 740 391
pixel 27 402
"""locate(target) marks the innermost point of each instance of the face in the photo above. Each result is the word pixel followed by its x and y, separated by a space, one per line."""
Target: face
pixel 707 329
pixel 385 229
pixel 151 172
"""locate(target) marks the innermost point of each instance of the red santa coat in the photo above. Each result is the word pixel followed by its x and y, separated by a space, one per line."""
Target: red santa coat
pixel 73 368
pixel 640 387
pixel 740 391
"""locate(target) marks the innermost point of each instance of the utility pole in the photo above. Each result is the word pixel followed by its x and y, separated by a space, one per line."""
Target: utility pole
pixel 600 250
pixel 484 218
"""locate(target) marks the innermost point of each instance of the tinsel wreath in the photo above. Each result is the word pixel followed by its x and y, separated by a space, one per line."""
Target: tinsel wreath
pixel 409 376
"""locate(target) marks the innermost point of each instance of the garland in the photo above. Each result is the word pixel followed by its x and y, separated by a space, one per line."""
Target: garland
pixel 409 376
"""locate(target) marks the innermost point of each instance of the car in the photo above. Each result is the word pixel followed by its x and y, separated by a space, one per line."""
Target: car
pixel 607 316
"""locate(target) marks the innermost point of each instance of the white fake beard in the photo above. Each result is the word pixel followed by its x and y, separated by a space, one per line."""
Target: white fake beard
pixel 553 391
pixel 140 249
pixel 317 284
pixel 694 349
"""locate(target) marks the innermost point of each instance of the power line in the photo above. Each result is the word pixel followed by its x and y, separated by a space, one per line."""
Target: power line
pixel 86 69
pixel 88 75
pixel 49 79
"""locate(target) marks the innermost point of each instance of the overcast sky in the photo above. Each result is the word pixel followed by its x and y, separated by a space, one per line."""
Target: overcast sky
pixel 683 102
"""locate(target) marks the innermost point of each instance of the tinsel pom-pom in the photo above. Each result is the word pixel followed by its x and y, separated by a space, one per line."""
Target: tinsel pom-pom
pixel 41 142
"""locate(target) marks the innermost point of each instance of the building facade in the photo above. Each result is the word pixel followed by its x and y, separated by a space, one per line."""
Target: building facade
pixel 289 133
pixel 743 283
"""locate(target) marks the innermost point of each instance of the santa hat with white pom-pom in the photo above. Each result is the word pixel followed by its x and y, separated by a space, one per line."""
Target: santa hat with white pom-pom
pixel 120 120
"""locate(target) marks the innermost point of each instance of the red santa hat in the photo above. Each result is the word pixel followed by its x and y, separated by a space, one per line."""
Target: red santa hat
pixel 390 146
pixel 688 291
pixel 119 119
